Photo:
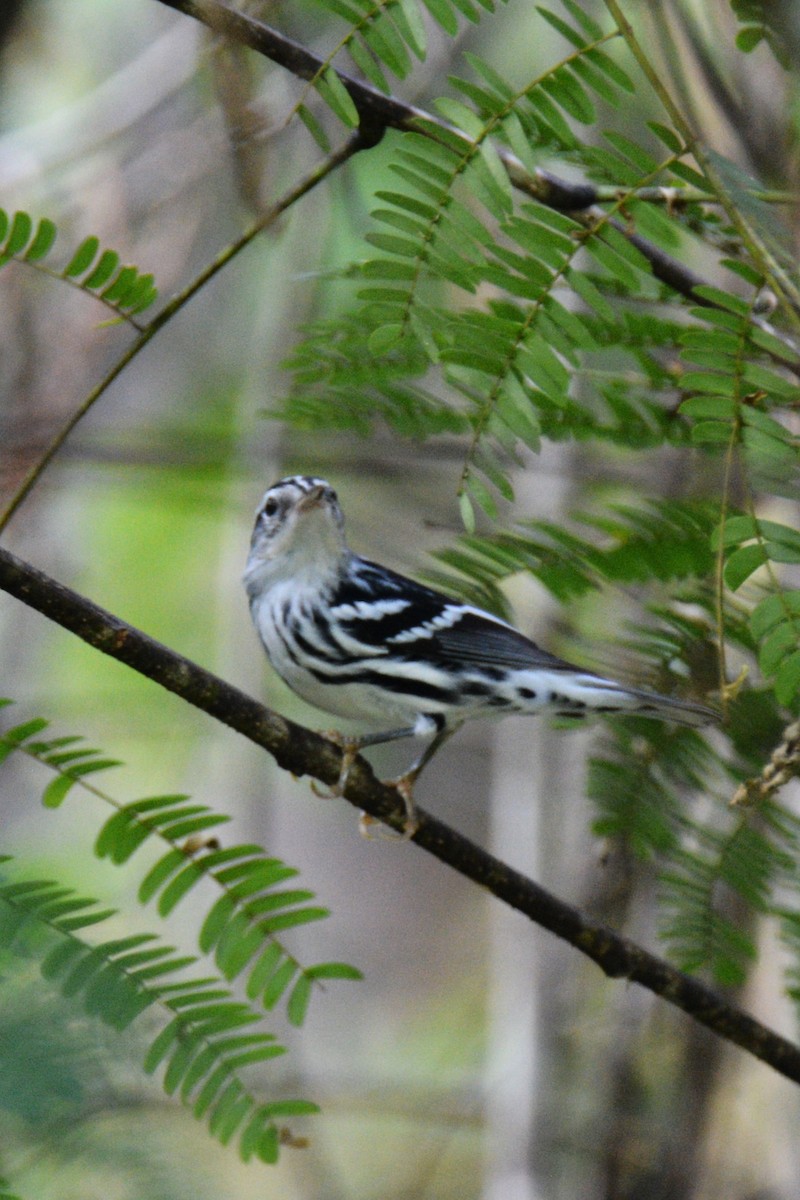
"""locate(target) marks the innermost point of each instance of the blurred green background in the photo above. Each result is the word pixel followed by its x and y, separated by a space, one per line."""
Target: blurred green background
pixel 479 1057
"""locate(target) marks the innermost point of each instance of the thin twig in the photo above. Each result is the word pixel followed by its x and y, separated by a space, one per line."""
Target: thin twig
pixel 303 752
pixel 778 279
pixel 376 109
pixel 298 190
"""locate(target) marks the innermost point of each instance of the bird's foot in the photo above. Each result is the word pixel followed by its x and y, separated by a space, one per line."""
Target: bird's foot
pixel 404 784
pixel 350 748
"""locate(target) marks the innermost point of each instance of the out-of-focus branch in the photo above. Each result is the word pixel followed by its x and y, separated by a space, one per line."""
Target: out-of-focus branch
pixel 335 159
pixel 303 752
pixel 379 112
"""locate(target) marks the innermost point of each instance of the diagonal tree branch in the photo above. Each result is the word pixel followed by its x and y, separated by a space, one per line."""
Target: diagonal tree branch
pixel 303 752
pixel 379 112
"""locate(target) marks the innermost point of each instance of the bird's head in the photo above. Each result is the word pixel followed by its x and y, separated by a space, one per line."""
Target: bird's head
pixel 298 533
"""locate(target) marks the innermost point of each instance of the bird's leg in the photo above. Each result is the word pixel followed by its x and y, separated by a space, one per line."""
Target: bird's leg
pixel 404 784
pixel 409 777
pixel 351 747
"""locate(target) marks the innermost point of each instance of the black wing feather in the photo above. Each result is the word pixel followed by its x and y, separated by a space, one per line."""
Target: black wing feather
pixel 475 639
pixel 480 641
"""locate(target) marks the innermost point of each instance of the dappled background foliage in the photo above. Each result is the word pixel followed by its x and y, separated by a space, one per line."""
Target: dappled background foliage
pixel 546 330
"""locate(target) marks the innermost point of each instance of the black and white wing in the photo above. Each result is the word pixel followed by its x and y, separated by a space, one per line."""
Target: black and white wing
pixel 378 607
pixel 485 661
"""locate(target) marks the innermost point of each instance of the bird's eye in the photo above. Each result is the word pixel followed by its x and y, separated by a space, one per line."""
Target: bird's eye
pixel 330 495
pixel 271 507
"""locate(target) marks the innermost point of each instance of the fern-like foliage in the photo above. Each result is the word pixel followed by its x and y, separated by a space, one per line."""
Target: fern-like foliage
pixel 664 540
pixel 720 870
pixel 124 290
pixel 508 362
pixel 636 782
pixel 241 929
pixel 739 394
pixel 748 862
pixel 666 794
pixel 564 295
pixel 242 926
pixel 382 37
pixel 489 309
pixel 202 1045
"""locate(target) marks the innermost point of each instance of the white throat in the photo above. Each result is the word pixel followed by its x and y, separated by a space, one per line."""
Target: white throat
pixel 311 556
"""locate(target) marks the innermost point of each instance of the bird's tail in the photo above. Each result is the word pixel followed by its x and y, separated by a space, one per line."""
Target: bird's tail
pixel 591 693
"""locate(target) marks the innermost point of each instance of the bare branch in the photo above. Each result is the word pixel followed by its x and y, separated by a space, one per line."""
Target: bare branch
pixel 304 752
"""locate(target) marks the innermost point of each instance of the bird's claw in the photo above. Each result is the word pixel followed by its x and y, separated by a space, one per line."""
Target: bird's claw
pixel 405 786
pixel 350 748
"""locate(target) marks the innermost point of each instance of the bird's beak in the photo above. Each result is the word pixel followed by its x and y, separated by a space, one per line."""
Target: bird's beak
pixel 312 499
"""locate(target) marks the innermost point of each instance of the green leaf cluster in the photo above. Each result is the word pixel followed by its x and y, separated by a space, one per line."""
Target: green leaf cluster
pixel 492 309
pixel 758 25
pixel 123 288
pixel 382 38
pixel 240 928
pixel 661 540
pixel 203 1046
pixel 742 389
pixel 719 870
pixel 118 979
pixel 562 293
pixel 715 891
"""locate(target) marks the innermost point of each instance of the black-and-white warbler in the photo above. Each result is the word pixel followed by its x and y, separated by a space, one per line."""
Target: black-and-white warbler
pixel 365 643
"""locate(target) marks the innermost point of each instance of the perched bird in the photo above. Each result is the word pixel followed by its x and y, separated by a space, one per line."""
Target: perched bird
pixel 362 642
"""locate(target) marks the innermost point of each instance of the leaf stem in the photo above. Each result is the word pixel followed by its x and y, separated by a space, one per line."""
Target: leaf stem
pixel 781 284
pixel 178 301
